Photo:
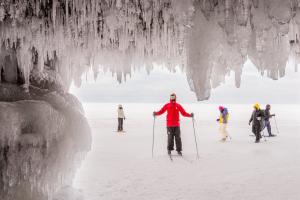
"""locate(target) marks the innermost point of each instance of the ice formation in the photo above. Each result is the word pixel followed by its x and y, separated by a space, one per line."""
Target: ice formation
pixel 207 38
pixel 226 33
pixel 43 137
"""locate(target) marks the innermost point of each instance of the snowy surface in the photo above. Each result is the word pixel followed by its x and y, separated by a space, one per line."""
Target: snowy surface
pixel 120 165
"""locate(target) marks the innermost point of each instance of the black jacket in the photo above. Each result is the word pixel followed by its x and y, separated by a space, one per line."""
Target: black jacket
pixel 257 118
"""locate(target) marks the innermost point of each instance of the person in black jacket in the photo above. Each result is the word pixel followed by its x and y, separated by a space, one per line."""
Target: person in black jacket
pixel 267 120
pixel 257 118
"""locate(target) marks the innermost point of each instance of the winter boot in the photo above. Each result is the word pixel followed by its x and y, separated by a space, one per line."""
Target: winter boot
pixel 272 135
pixel 169 152
pixel 256 141
pixel 179 153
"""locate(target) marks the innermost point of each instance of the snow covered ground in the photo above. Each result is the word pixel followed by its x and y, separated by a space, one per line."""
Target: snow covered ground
pixel 120 165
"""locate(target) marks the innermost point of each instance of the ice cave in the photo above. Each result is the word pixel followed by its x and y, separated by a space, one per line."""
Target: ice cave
pixel 45 45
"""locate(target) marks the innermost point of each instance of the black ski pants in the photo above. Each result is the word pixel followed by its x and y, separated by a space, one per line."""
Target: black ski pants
pixel 256 129
pixel 120 124
pixel 174 133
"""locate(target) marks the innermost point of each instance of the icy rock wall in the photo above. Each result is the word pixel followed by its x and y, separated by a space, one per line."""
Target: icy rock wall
pixel 42 142
pixel 64 38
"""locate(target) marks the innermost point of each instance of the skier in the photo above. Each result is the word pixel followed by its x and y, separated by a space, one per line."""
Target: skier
pixel 257 118
pixel 267 120
pixel 173 126
pixel 223 119
pixel 121 117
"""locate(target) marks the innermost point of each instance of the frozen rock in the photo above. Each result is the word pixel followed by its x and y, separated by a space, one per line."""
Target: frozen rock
pixel 42 142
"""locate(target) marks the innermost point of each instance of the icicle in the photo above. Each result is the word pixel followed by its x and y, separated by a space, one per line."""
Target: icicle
pixel 67 12
pixel 2 13
pixel 54 5
pixel 119 4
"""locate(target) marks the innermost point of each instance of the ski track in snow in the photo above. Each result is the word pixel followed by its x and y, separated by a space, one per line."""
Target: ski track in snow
pixel 120 165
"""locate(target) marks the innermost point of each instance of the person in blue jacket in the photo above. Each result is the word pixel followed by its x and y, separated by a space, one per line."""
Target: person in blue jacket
pixel 223 120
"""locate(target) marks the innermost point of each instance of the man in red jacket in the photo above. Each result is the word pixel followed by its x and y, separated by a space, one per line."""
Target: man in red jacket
pixel 173 127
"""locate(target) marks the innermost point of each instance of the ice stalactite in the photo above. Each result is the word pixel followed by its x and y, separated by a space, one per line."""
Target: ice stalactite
pixel 243 12
pixel 78 33
pixel 263 31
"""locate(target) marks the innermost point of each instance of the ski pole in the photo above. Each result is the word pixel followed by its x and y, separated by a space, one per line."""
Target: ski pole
pixel 276 125
pixel 263 134
pixel 153 135
pixel 229 136
pixel 195 138
pixel 263 126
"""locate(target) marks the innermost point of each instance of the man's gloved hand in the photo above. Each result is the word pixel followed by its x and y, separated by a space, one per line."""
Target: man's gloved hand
pixel 154 114
pixel 192 115
pixel 249 123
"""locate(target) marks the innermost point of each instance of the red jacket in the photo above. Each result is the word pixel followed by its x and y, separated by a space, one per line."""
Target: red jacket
pixel 173 110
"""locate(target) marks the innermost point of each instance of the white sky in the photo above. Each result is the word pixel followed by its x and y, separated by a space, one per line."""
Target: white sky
pixel 156 87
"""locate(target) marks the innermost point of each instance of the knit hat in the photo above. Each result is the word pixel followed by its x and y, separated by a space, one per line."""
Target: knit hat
pixel 256 106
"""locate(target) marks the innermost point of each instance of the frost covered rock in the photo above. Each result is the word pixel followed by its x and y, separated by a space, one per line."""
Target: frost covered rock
pixel 42 142
pixel 48 79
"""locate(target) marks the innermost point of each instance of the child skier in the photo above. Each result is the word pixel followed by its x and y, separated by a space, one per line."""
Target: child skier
pixel 173 126
pixel 223 119
pixel 121 117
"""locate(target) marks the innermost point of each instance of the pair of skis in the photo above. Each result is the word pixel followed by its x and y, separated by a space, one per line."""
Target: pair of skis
pixel 171 158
